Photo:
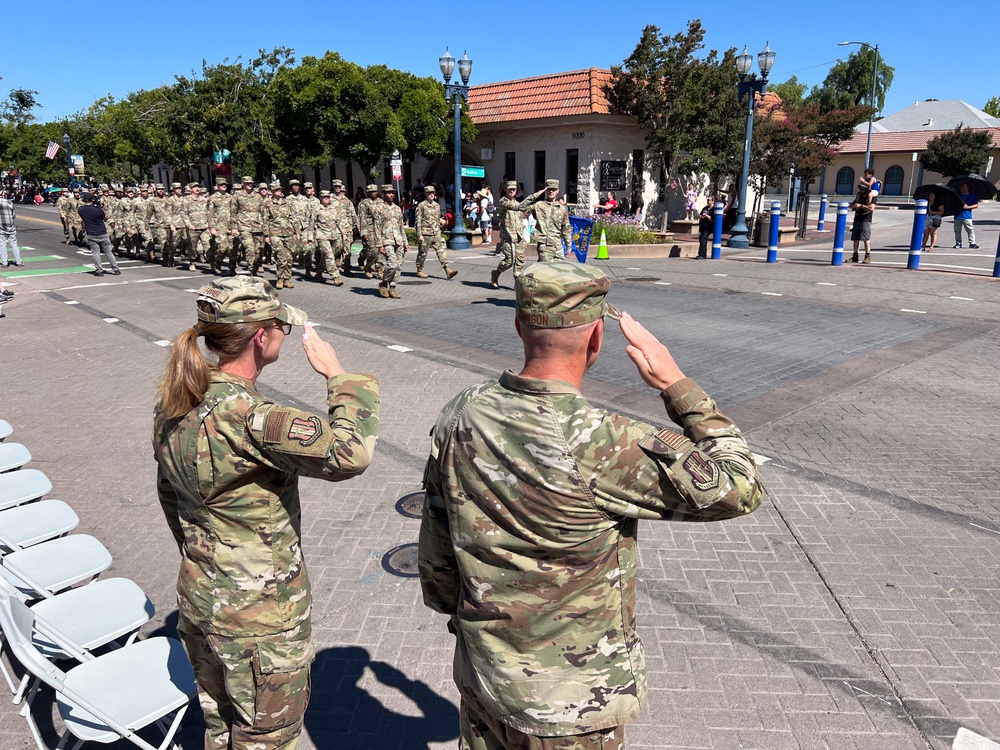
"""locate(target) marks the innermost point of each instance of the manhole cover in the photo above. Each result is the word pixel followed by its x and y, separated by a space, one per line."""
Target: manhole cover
pixel 401 561
pixel 413 282
pixel 411 505
pixel 642 278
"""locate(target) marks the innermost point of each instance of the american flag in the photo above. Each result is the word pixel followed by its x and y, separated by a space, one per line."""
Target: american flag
pixel 52 150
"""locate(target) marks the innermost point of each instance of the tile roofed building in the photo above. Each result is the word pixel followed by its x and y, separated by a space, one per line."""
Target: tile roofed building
pixel 904 141
pixel 579 92
pixel 933 114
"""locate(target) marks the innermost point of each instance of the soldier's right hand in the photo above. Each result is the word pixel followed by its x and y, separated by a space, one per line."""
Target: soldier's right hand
pixel 322 356
pixel 652 359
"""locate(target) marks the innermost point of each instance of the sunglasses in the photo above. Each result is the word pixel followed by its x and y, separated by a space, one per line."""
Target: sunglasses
pixel 286 328
pixel 611 311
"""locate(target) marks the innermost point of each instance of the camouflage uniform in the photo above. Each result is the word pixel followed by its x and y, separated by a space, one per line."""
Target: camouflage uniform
pixel 428 226
pixel 159 223
pixel 177 227
pixel 63 205
pixel 130 208
pixel 324 229
pixel 281 229
pixel 228 484
pixel 219 226
pixel 246 221
pixel 393 239
pixel 370 226
pixel 300 203
pixel 347 223
pixel 528 536
pixel 196 223
pixel 142 211
pixel 553 227
pixel 113 206
pixel 512 215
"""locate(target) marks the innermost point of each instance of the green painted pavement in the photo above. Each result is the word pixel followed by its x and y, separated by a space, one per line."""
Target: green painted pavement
pixel 38 258
pixel 49 271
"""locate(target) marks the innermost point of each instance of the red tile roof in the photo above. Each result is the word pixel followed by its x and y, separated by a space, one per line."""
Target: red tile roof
pixel 912 140
pixel 579 92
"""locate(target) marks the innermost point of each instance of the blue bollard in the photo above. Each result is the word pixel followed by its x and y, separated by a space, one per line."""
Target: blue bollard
pixel 838 235
pixel 772 242
pixel 720 209
pixel 917 235
pixel 822 214
pixel 996 263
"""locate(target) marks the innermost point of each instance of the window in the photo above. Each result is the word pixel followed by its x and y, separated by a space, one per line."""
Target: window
pixel 845 181
pixel 539 170
pixel 572 173
pixel 510 165
pixel 637 168
pixel 893 184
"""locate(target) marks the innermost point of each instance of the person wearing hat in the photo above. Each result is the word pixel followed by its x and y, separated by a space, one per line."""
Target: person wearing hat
pixel 243 591
pixel 176 225
pixel 92 217
pixel 247 223
pixel 512 216
pixel 393 239
pixel 301 206
pixel 532 507
pixel 346 225
pixel 428 224
pixel 486 209
pixel 75 223
pixel 144 235
pixel 310 255
pixel 553 233
pixel 159 222
pixel 113 203
pixel 325 231
pixel 220 228
pixel 64 204
pixel 196 223
pixel 282 230
pixel 370 226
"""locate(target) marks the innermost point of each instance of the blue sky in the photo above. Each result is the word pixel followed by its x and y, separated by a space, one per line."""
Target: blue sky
pixel 118 47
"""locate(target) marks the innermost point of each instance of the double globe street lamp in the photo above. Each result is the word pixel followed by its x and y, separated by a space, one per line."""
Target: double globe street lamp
pixel 751 87
pixel 459 238
pixel 871 101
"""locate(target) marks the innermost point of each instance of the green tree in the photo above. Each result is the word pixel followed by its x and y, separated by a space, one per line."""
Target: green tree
pixel 959 151
pixel 791 92
pixel 849 83
pixel 992 107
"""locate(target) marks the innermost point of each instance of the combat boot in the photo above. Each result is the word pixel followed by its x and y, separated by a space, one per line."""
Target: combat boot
pixel 383 290
pixel 278 284
pixel 393 293
pixel 421 274
pixel 338 282
pixel 450 272
pixel 368 274
pixel 288 284
pixel 495 279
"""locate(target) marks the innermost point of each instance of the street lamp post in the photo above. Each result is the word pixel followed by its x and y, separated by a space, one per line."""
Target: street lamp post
pixel 459 239
pixel 739 235
pixel 871 101
pixel 69 158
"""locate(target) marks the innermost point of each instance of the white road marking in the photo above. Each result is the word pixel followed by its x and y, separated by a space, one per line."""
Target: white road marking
pixel 772 294
pixel 967 299
pixel 192 291
pixel 984 528
pixel 662 283
pixel 90 286
pixel 71 302
pixel 57 257
pixel 110 320
pixel 919 312
pixel 25 247
pixel 825 283
pixel 632 268
pixel 162 342
pixel 720 274
pixel 165 278
pixel 398 348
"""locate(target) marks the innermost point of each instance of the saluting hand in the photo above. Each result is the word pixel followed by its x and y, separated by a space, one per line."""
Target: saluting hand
pixel 652 359
pixel 322 356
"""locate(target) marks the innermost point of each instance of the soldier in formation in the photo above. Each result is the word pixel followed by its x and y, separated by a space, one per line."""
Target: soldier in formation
pixel 198 237
pixel 324 229
pixel 159 223
pixel 393 240
pixel 282 230
pixel 428 225
pixel 552 229
pixel 220 226
pixel 346 221
pixel 247 225
pixel 370 226
pixel 513 218
pixel 176 225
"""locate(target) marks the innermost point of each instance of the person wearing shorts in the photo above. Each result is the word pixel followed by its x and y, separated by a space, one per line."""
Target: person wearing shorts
pixel 861 231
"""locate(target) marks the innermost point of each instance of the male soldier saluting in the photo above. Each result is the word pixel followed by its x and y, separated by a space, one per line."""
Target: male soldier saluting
pixel 429 223
pixel 512 222
pixel 533 502
pixel 553 228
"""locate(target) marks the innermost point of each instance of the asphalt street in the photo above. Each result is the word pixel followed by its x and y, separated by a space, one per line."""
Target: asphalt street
pixel 858 608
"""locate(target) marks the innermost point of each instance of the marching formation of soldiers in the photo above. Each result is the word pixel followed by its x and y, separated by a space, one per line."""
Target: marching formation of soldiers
pixel 260 225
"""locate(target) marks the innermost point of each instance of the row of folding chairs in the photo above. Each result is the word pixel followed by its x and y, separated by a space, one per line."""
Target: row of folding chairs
pixel 55 612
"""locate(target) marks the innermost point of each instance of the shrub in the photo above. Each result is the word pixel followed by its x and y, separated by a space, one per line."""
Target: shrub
pixel 623 230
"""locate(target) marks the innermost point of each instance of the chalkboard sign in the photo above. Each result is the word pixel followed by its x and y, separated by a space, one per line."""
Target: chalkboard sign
pixel 613 175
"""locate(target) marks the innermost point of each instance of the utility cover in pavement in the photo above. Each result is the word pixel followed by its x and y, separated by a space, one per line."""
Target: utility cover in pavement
pixel 401 561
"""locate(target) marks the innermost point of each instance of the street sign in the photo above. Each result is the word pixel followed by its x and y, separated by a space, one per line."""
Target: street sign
pixel 397 159
pixel 473 171
pixel 397 172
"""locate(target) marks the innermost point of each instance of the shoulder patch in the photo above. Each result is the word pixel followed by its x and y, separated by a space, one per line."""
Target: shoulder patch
pixel 274 426
pixel 704 472
pixel 304 430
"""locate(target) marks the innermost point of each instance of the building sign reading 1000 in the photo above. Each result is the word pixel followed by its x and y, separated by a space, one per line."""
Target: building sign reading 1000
pixel 613 175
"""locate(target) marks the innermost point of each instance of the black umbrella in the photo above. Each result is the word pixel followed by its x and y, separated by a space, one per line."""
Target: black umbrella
pixel 953 203
pixel 978 185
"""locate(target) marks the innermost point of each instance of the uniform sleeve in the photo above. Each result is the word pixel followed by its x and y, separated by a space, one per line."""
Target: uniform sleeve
pixel 168 502
pixel 567 230
pixel 436 562
pixel 337 448
pixel 706 474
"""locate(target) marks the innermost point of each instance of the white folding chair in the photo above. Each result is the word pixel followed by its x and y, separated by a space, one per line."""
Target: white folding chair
pixel 13 456
pixel 34 523
pixel 110 697
pixel 20 487
pixel 72 624
pixel 53 566
pixel 5 430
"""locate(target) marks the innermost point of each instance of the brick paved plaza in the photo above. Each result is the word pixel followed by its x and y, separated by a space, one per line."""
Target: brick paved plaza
pixel 859 608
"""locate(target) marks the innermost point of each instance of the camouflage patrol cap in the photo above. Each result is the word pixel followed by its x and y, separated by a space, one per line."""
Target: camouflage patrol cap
pixel 194 184
pixel 247 179
pixel 159 186
pixel 336 184
pixel 246 299
pixel 324 193
pixel 552 184
pixel 428 189
pixel 276 186
pixel 262 186
pixel 293 182
pixel 221 181
pixel 307 185
pixel 511 185
pixel 560 294
pixel 388 189
pixel 371 189
pixel 176 185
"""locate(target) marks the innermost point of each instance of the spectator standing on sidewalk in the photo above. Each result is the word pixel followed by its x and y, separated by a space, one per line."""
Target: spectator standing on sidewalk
pixel 935 211
pixel 8 231
pixel 706 227
pixel 964 217
pixel 97 234
pixel 861 231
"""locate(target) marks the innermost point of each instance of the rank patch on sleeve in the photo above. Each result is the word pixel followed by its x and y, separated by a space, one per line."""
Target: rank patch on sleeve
pixel 704 473
pixel 305 430
pixel 274 426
